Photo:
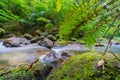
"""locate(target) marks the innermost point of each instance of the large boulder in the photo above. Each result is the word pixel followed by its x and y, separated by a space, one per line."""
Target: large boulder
pixel 46 43
pixel 15 42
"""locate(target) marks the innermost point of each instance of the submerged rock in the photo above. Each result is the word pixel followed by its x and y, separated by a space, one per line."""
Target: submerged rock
pixel 15 42
pixel 51 58
pixel 55 59
pixel 46 43
pixel 98 45
pixel 117 43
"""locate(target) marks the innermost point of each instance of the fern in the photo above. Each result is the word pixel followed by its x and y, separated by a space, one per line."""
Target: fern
pixel 90 18
pixel 59 5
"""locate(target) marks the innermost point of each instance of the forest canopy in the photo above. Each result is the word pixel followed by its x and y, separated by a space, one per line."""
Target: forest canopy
pixel 82 19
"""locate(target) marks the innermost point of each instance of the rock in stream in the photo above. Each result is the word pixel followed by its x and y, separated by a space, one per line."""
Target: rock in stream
pixel 15 42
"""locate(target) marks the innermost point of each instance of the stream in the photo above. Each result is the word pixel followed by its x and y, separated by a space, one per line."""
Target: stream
pixel 27 54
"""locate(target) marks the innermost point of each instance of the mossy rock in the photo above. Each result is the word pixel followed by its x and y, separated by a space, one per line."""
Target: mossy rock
pixel 51 37
pixel 2 32
pixel 98 45
pixel 73 39
pixel 82 67
pixel 62 42
pixel 80 41
pixel 39 71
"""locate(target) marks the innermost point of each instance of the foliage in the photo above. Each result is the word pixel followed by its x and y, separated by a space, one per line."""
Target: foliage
pixel 80 41
pixel 42 21
pixel 6 15
pixel 18 7
pixel 86 19
pixel 82 67
pixel 92 18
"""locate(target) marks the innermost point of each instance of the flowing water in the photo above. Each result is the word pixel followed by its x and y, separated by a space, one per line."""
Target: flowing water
pixel 18 55
pixel 26 54
pixel 115 48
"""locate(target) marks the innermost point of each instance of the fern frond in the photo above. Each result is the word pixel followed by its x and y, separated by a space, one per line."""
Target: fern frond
pixel 90 18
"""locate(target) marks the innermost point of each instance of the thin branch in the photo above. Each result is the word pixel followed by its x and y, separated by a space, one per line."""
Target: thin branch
pixel 29 66
pixel 7 72
pixel 111 39
pixel 109 28
pixel 115 56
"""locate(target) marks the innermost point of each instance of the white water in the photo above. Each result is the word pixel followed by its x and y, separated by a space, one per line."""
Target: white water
pixel 18 55
pixel 27 48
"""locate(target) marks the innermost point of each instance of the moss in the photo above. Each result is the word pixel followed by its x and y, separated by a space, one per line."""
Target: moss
pixel 39 71
pixel 82 67
pixel 62 42
pixel 80 41
pixel 52 37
